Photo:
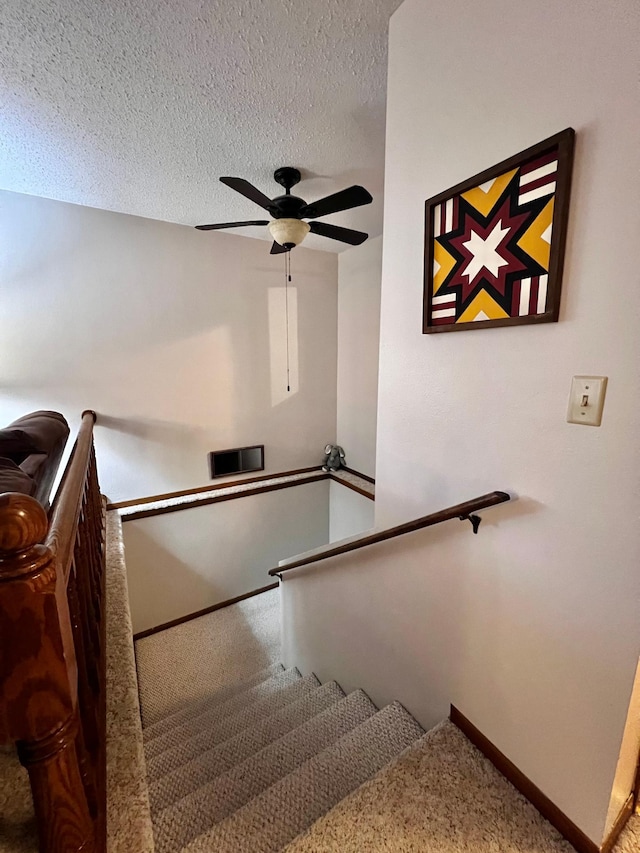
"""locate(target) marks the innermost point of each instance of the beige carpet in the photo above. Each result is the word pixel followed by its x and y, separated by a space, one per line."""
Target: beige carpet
pixel 128 813
pixel 227 792
pixel 210 763
pixel 201 657
pixel 629 841
pixel 285 808
pixel 470 806
pixel 443 796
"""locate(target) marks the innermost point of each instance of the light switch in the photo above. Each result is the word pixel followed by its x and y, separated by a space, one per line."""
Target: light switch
pixel 586 400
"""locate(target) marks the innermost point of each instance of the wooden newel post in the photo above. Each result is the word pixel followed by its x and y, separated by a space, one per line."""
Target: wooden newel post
pixel 38 677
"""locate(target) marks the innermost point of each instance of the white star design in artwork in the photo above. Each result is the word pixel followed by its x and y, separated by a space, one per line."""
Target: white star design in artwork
pixel 485 252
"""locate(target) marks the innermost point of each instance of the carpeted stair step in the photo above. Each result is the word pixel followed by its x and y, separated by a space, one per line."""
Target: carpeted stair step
pixel 205 767
pixel 210 716
pixel 192 709
pixel 273 818
pixel 441 794
pixel 228 727
pixel 189 817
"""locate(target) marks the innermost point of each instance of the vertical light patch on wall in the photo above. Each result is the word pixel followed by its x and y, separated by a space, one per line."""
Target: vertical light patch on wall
pixel 283 307
pixel 628 759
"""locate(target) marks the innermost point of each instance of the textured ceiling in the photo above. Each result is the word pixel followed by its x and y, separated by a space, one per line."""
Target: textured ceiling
pixel 138 106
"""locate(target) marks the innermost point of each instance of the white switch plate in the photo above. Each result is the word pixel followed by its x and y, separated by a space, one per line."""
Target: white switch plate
pixel 586 400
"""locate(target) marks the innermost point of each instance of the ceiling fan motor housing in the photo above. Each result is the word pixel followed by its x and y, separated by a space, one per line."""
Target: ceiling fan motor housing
pixel 288 206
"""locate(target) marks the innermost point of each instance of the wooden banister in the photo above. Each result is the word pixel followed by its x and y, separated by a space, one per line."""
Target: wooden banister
pixel 67 504
pixel 464 511
pixel 52 654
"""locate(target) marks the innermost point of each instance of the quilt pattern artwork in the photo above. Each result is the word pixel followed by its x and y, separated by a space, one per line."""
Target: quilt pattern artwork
pixel 495 244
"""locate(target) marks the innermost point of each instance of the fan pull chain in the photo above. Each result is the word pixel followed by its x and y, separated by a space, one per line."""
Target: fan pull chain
pixel 287 279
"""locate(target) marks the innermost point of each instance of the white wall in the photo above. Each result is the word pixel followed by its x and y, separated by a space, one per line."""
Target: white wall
pixel 184 561
pixel 174 336
pixel 531 627
pixel 349 512
pixel 359 285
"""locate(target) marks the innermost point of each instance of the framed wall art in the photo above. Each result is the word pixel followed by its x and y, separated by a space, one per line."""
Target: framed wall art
pixel 494 244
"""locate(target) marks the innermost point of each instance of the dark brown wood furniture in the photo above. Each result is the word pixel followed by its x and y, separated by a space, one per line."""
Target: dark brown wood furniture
pixel 52 651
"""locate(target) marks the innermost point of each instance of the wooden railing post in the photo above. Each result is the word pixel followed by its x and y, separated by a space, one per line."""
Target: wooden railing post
pixel 38 678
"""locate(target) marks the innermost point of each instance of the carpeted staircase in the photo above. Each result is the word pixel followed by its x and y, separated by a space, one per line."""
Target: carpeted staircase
pixel 256 765
pixel 242 758
pixel 270 760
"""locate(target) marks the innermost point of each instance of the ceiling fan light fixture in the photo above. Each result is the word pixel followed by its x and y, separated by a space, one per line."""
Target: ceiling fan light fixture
pixel 287 227
pixel 288 232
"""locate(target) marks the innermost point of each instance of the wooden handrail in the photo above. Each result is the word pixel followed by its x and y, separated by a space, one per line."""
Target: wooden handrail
pixel 67 504
pixel 464 511
pixel 52 669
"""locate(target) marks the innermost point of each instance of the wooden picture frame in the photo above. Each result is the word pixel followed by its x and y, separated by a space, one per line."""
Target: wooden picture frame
pixel 494 244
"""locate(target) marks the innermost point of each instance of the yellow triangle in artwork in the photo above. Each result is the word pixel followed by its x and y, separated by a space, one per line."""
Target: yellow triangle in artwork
pixel 536 239
pixel 443 263
pixel 484 197
pixel 483 307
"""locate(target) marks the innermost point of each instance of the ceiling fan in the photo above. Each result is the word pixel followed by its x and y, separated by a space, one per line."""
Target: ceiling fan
pixel 288 212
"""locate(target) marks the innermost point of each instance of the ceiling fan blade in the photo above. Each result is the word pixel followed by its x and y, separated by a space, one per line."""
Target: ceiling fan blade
pixel 232 225
pixel 277 249
pixel 344 200
pixel 249 191
pixel 346 235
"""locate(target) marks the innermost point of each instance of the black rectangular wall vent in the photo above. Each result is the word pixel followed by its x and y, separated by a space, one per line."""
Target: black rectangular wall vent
pixel 239 460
